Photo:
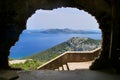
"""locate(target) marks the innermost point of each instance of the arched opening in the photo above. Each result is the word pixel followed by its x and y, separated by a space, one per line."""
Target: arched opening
pixel 70 19
pixel 13 18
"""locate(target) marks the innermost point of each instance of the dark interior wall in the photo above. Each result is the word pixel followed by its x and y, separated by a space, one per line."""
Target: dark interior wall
pixel 14 14
pixel 115 47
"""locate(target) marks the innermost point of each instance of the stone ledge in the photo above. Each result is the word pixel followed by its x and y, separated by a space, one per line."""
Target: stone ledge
pixel 82 74
pixel 8 75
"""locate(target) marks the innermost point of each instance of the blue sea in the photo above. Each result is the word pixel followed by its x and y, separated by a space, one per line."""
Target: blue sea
pixel 31 42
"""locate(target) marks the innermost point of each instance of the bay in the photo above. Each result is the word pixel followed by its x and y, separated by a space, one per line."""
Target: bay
pixel 34 42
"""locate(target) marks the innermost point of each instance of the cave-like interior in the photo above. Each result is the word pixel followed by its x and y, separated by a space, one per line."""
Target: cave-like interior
pixel 14 14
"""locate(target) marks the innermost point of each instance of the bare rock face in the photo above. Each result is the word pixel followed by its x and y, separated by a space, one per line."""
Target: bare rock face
pixel 14 14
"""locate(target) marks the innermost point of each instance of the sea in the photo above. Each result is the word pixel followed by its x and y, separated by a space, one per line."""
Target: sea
pixel 32 42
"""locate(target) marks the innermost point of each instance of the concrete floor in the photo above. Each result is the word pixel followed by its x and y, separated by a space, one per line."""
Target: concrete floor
pixel 78 71
pixel 78 65
pixel 82 74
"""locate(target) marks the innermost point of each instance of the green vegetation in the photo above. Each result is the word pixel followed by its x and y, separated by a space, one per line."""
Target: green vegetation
pixel 28 65
pixel 73 44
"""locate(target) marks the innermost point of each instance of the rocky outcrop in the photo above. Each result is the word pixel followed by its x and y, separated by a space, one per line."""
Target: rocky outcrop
pixel 73 44
pixel 14 14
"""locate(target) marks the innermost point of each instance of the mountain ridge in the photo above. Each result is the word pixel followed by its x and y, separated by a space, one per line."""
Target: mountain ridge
pixel 66 31
pixel 73 44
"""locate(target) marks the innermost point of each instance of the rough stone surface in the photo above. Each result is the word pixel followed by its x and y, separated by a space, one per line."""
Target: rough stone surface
pixel 8 75
pixel 67 75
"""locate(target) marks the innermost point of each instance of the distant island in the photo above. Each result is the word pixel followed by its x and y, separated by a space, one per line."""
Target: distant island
pixel 73 44
pixel 66 31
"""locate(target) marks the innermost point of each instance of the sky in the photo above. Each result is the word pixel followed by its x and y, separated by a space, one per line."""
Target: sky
pixel 61 18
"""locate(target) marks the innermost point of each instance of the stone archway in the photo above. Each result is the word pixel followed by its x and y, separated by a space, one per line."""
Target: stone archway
pixel 14 14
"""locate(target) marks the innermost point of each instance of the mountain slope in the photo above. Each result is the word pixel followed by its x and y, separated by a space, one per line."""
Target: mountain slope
pixel 69 31
pixel 73 44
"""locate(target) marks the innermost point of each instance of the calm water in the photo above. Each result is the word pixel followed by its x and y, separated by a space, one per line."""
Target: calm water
pixel 33 42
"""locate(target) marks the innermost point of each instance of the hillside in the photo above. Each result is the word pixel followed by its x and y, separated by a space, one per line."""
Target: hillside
pixel 64 31
pixel 73 44
pixel 69 31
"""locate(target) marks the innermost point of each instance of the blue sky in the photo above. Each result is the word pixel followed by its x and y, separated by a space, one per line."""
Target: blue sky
pixel 62 18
